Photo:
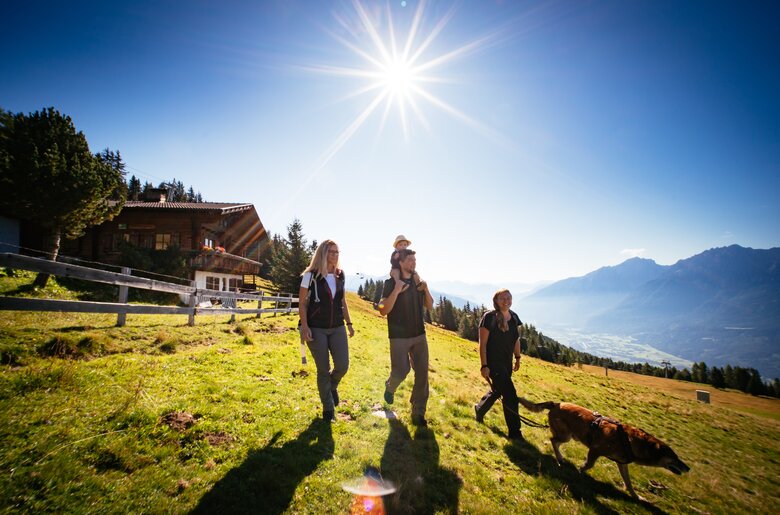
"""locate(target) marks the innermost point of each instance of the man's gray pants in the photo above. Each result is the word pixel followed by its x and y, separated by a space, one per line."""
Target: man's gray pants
pixel 407 354
pixel 326 343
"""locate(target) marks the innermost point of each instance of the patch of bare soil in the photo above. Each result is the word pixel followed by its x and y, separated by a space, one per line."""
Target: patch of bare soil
pixel 179 420
pixel 218 438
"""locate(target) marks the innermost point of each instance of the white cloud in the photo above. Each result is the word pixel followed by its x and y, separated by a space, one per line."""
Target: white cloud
pixel 631 253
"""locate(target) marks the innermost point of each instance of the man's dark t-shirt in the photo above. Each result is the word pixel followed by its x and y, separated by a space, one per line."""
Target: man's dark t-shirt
pixel 500 345
pixel 406 318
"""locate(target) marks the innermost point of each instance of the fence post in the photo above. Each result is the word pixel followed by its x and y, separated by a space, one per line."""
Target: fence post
pixel 260 304
pixel 121 318
pixel 193 303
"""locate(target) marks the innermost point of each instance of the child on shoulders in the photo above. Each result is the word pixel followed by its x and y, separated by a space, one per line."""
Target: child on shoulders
pixel 399 244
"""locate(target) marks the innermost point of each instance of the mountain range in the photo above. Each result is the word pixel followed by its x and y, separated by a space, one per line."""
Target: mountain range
pixel 721 306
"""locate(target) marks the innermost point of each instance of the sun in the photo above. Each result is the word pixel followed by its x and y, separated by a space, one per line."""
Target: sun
pixel 396 71
pixel 398 77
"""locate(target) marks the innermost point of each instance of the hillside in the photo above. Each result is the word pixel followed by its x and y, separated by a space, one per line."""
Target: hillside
pixel 91 434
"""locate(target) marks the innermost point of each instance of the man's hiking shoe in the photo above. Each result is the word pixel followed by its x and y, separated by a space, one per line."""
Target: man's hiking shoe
pixel 328 416
pixel 480 416
pixel 389 397
pixel 419 421
pixel 335 395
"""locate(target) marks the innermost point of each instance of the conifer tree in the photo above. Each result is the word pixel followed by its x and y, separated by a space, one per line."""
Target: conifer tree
pixel 290 258
pixel 134 188
pixel 49 176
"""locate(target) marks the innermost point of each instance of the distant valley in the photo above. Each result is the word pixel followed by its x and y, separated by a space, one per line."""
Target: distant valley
pixel 721 306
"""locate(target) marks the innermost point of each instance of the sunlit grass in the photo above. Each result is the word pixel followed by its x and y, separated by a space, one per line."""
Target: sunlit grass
pixel 86 433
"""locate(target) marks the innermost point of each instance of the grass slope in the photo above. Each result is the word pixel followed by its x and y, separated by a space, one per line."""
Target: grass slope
pixel 87 434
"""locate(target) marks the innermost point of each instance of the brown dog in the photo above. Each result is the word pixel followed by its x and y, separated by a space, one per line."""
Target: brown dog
pixel 606 437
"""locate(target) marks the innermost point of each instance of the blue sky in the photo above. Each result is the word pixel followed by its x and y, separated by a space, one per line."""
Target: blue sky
pixel 576 134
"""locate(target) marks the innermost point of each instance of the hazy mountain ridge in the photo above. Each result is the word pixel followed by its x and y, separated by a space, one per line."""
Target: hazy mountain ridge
pixel 720 306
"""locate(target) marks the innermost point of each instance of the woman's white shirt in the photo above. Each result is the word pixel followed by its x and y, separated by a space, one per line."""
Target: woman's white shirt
pixel 330 279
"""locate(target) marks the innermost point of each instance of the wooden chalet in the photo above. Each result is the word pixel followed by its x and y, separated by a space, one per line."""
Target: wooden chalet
pixel 223 240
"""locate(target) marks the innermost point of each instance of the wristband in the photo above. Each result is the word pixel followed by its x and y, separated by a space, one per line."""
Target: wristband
pixel 517 357
pixel 484 366
pixel 349 323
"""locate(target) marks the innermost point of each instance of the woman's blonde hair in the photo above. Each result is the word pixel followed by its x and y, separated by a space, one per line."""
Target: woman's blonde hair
pixel 503 325
pixel 319 261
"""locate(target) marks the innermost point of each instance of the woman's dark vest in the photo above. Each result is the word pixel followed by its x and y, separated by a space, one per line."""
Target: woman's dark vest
pixel 328 312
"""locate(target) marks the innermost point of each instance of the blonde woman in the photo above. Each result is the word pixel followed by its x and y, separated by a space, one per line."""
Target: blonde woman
pixel 499 342
pixel 323 310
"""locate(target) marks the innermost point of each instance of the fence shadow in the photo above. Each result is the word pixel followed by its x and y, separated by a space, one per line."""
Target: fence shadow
pixel 266 481
pixel 582 487
pixel 412 464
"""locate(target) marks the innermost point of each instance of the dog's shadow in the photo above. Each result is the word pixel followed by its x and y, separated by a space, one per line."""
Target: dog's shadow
pixel 581 486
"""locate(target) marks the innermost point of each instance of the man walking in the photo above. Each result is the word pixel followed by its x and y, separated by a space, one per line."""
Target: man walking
pixel 403 302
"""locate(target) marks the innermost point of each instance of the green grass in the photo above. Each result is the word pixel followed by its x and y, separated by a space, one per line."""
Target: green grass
pixel 84 430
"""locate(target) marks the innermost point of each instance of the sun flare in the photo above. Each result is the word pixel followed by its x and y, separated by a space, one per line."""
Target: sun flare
pixel 395 75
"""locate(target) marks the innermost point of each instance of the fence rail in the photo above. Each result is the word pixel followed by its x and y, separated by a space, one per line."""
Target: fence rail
pixel 283 303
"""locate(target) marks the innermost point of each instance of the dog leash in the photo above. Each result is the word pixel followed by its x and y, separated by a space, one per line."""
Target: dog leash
pixel 525 420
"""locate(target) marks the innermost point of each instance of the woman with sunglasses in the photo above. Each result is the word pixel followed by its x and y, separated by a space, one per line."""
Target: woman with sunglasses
pixel 323 309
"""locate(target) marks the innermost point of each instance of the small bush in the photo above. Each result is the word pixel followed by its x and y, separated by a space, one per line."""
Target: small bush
pixel 60 346
pixel 168 347
pixel 13 354
pixel 166 342
pixel 67 346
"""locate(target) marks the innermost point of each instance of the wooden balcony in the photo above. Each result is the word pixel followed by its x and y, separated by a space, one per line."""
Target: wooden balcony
pixel 222 262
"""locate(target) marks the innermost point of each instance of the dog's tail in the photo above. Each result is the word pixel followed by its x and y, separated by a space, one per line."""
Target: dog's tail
pixel 537 407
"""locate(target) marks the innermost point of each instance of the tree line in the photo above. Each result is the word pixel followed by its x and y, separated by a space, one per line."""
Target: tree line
pixel 177 192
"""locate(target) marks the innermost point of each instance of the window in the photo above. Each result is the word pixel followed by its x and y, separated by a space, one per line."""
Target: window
pixel 212 283
pixel 234 284
pixel 162 241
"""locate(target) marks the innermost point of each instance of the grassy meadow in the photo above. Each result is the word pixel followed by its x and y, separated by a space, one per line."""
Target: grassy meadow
pixel 222 417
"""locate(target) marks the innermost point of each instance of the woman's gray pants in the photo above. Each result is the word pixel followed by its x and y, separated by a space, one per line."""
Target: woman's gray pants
pixel 334 341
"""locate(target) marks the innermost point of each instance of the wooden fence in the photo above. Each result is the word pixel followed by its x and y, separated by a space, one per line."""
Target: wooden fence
pixel 283 303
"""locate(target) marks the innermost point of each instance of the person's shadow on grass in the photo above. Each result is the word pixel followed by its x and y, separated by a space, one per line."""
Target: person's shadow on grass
pixel 266 481
pixel 423 486
pixel 581 486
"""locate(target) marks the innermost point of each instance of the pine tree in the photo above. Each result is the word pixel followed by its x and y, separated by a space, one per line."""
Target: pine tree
pixel 290 258
pixel 755 384
pixel 717 378
pixel 48 176
pixel 134 188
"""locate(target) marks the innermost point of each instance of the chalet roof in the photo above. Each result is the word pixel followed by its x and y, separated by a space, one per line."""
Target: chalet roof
pixel 222 207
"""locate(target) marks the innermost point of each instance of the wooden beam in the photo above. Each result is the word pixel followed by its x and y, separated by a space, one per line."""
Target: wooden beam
pixel 80 306
pixel 89 274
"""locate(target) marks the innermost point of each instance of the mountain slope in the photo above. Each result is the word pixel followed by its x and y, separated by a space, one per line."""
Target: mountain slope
pixel 576 300
pixel 720 306
pixel 255 446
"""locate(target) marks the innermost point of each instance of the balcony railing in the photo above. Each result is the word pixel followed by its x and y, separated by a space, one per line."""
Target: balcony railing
pixel 222 262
